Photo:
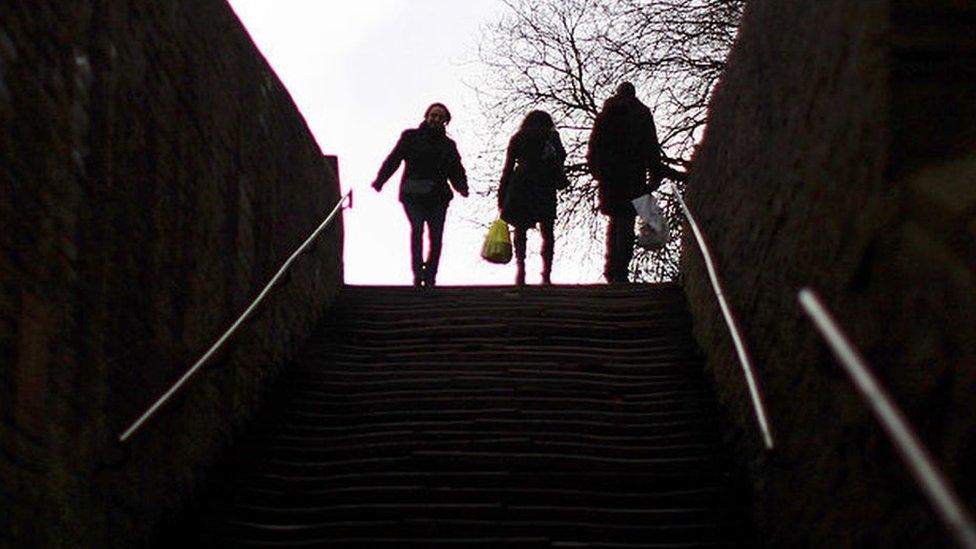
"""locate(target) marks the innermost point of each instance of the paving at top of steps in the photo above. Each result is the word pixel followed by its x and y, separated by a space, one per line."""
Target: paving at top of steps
pixel 485 416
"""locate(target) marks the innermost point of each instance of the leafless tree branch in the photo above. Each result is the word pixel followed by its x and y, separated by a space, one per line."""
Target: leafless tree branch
pixel 566 56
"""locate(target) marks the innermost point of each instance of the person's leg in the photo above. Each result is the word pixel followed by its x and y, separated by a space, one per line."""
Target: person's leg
pixel 623 245
pixel 519 243
pixel 415 215
pixel 548 248
pixel 610 256
pixel 436 216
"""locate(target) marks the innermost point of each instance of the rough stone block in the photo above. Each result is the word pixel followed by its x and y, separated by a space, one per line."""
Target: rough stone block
pixel 839 156
pixel 153 174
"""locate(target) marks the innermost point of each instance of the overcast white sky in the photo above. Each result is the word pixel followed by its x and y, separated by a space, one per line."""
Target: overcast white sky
pixel 363 71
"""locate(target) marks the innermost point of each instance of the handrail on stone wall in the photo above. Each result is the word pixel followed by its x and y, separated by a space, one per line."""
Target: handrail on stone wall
pixel 180 383
pixel 740 348
pixel 913 452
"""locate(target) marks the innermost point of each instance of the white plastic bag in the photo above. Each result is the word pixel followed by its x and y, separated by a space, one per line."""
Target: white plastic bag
pixel 652 228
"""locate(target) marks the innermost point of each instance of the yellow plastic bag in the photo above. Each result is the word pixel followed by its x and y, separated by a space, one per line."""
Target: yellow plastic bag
pixel 498 244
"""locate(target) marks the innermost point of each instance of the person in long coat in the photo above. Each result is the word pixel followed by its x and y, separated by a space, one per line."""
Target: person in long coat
pixel 431 159
pixel 532 174
pixel 625 158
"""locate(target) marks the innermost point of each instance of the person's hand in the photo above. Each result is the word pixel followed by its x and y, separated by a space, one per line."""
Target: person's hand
pixel 376 185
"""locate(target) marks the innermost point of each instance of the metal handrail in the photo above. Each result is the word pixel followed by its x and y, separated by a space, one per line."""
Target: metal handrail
pixel 913 452
pixel 740 348
pixel 175 388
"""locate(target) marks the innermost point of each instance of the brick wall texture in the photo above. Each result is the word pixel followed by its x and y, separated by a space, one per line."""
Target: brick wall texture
pixel 154 174
pixel 841 154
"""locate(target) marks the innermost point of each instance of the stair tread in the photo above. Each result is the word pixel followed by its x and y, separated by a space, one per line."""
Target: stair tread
pixel 550 417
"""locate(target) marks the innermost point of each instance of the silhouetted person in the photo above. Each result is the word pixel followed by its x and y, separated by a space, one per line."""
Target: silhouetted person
pixel 532 174
pixel 431 160
pixel 625 158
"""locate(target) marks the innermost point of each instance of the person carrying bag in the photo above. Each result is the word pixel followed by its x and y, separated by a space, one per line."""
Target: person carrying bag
pixel 532 174
pixel 624 156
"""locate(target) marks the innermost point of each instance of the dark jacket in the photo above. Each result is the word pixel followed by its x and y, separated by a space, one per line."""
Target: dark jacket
pixel 624 154
pixel 531 176
pixel 430 155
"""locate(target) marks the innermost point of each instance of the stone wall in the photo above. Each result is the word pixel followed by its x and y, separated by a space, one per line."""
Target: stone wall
pixel 154 174
pixel 841 154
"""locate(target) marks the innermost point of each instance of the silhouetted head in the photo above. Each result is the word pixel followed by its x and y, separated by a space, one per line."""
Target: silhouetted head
pixel 537 119
pixel 626 89
pixel 437 115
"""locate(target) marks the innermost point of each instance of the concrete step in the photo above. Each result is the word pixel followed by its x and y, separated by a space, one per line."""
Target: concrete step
pixel 493 416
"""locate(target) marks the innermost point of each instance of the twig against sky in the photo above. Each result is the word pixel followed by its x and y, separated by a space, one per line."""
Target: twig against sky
pixel 567 56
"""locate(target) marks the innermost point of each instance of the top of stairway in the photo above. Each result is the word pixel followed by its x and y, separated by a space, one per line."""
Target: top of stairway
pixel 580 290
pixel 593 297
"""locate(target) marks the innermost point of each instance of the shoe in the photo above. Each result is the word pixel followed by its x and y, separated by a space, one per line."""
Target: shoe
pixel 430 278
pixel 420 276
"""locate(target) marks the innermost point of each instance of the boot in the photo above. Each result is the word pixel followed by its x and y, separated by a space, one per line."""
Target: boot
pixel 430 276
pixel 418 277
pixel 546 272
pixel 520 273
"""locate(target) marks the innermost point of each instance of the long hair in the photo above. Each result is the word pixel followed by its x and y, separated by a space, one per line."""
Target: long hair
pixel 537 120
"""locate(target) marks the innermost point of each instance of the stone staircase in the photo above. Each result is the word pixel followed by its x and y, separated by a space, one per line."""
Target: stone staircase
pixel 485 417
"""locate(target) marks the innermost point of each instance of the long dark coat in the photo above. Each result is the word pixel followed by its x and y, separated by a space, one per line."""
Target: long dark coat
pixel 530 177
pixel 623 153
pixel 430 155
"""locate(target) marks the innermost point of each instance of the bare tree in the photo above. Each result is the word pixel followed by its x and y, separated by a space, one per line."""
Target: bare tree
pixel 567 56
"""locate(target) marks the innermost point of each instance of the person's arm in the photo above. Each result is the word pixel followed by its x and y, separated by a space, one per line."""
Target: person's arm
pixel 507 169
pixel 560 149
pixel 655 164
pixel 657 168
pixel 455 173
pixel 560 180
pixel 390 165
pixel 594 147
pixel 673 174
